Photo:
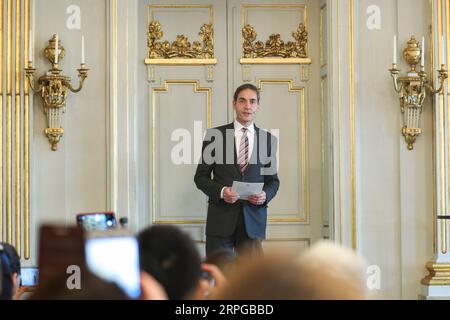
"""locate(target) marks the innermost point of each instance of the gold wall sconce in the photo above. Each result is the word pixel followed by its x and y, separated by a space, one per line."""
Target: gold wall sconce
pixel 54 87
pixel 412 87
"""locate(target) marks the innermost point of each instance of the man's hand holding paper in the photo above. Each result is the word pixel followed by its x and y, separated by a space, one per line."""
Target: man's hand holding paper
pixel 257 199
pixel 250 191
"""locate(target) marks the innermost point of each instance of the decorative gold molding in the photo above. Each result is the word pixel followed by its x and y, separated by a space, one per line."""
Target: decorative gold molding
pixel 14 220
pixel 180 51
pixel 435 145
pixel 180 62
pixel 292 88
pixel 441 107
pixel 26 141
pixel 165 89
pixel 180 6
pixel 302 220
pixel 275 61
pixel 169 222
pixel 439 274
pixel 352 126
pixel 447 58
pixel 8 173
pixel 321 26
pixel 303 7
pixel 339 75
pixel 303 147
pixel 441 97
pixel 275 46
pixel 260 52
pixel 17 127
pixel 127 108
pixel 322 117
pixel 115 93
pixel 181 47
pixel 307 240
pixel 444 105
pixel 2 36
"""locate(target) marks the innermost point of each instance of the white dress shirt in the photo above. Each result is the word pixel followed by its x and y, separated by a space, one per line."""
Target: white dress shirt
pixel 237 138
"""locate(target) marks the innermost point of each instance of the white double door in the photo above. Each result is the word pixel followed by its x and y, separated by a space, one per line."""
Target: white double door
pixel 183 100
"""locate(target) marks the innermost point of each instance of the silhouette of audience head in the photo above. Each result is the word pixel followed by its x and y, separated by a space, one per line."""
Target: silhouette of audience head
pixel 324 272
pixel 170 256
pixel 223 259
pixel 10 271
pixel 270 277
pixel 341 273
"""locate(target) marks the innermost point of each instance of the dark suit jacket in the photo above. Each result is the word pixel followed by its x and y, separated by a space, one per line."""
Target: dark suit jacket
pixel 219 159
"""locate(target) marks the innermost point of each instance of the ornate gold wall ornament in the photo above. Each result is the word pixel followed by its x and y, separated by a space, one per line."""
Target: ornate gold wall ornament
pixel 54 88
pixel 439 274
pixel 275 46
pixel 412 89
pixel 181 47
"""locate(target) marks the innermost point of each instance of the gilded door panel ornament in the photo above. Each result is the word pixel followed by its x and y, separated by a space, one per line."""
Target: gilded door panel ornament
pixel 275 46
pixel 180 51
pixel 275 50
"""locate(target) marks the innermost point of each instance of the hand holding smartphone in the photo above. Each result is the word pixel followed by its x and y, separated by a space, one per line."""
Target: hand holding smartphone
pixel 113 255
pixel 29 276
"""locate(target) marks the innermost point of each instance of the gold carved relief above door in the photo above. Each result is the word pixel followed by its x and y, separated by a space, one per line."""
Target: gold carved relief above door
pixel 274 49
pixel 180 49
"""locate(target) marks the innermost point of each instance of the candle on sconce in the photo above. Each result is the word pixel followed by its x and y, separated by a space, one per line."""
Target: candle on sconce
pixel 82 50
pixel 444 53
pixel 422 60
pixel 30 46
pixel 56 50
pixel 394 54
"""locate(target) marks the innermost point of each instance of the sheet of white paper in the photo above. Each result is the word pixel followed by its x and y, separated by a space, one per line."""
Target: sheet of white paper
pixel 246 189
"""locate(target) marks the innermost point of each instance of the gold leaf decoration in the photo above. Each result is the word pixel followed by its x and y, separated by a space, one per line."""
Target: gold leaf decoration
pixel 275 46
pixel 181 47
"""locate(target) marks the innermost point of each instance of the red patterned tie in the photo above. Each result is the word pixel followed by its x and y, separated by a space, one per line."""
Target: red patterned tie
pixel 243 151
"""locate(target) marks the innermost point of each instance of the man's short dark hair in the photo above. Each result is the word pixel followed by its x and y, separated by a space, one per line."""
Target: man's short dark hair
pixel 171 257
pixel 243 87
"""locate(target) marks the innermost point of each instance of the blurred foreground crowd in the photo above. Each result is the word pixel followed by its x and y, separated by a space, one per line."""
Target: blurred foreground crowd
pixel 171 268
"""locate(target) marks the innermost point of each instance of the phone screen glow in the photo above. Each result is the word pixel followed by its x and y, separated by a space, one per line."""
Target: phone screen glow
pixel 115 259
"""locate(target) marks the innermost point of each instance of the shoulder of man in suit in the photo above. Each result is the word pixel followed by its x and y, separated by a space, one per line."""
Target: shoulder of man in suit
pixel 264 132
pixel 219 132
pixel 222 127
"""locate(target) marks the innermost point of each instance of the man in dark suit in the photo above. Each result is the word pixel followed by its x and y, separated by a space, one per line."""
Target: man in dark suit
pixel 238 151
